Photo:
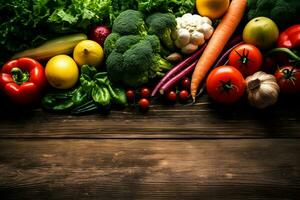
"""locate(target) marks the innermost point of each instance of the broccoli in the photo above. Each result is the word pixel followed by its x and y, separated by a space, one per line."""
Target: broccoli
pixel 283 12
pixel 109 43
pixel 162 25
pixel 135 60
pixel 130 22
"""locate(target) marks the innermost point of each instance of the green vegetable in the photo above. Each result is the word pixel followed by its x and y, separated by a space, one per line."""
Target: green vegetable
pixel 109 43
pixel 28 23
pixel 93 92
pixel 101 95
pixel 134 56
pixel 118 95
pixel 177 7
pixel 130 22
pixel 57 46
pixel 59 101
pixel 162 25
pixel 135 60
pixel 283 12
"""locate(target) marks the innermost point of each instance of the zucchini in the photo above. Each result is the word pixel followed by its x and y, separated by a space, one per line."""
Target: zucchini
pixel 57 46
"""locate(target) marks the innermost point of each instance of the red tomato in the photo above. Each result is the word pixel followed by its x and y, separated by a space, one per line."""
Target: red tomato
pixel 144 104
pixel 145 92
pixel 171 96
pixel 186 83
pixel 225 84
pixel 246 58
pixel 184 95
pixel 288 79
pixel 130 95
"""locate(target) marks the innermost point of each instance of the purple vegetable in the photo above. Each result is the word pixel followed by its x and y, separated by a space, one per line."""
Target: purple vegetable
pixel 178 68
pixel 99 34
pixel 173 81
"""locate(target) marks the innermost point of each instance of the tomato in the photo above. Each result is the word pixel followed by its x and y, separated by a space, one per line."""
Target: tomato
pixel 225 84
pixel 184 95
pixel 145 93
pixel 246 58
pixel 171 96
pixel 186 83
pixel 144 104
pixel 288 79
pixel 130 95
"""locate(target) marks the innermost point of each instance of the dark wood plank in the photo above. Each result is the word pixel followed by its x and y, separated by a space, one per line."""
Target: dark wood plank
pixel 203 120
pixel 150 169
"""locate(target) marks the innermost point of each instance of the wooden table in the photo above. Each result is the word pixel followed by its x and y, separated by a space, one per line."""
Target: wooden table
pixel 204 151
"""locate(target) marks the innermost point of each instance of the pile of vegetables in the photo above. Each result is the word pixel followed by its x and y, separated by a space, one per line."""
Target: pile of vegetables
pixel 283 12
pixel 93 92
pixel 86 56
pixel 28 23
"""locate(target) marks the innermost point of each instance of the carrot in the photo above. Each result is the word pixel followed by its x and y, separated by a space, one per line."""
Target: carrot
pixel 217 42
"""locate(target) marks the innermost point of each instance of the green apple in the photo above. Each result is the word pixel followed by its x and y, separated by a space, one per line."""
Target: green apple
pixel 261 32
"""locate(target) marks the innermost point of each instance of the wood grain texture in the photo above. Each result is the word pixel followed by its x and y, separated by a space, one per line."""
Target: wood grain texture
pixel 150 169
pixel 202 120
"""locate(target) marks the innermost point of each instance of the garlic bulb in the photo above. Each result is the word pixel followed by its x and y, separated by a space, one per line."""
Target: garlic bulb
pixel 262 89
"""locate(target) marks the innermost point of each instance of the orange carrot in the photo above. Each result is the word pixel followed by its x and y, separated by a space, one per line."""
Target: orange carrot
pixel 217 42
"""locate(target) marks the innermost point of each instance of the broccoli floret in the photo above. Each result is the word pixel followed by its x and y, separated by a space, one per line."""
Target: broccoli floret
pixel 114 64
pixel 283 12
pixel 162 25
pixel 155 43
pixel 130 22
pixel 110 43
pixel 137 63
pixel 125 42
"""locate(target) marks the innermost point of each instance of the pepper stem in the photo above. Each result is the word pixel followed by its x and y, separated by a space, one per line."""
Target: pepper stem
pixel 19 76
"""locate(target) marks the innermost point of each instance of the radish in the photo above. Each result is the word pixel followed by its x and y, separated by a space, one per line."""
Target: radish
pixel 177 69
pixel 173 81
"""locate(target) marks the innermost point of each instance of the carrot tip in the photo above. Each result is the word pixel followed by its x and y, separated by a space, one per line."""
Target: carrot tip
pixel 194 100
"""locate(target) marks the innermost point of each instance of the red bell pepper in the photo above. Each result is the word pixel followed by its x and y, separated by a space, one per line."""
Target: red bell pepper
pixel 290 38
pixel 22 80
pixel 287 41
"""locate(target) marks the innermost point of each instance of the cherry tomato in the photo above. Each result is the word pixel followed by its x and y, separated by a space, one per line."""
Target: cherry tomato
pixel 184 95
pixel 246 58
pixel 144 104
pixel 130 95
pixel 145 93
pixel 225 84
pixel 171 96
pixel 186 83
pixel 288 79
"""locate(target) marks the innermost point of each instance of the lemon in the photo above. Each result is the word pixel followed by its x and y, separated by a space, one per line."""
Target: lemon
pixel 62 72
pixel 88 52
pixel 212 9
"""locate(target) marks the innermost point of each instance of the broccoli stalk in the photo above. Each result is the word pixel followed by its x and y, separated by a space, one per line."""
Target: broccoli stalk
pixel 162 25
pixel 160 67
